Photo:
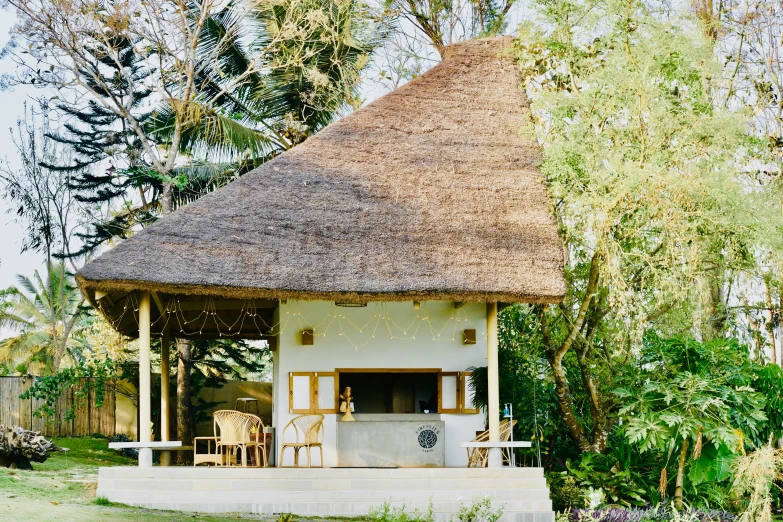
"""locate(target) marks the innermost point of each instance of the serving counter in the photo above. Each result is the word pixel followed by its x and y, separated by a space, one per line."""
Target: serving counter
pixel 414 440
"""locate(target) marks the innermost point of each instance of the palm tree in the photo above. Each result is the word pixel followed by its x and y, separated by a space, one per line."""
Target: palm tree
pixel 251 118
pixel 45 313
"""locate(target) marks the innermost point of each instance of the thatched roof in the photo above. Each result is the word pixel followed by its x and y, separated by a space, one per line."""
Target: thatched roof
pixel 431 192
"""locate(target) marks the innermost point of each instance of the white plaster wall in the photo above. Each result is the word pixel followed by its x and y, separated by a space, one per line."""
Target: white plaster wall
pixel 380 335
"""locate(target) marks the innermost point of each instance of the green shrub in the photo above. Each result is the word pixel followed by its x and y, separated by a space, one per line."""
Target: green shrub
pixel 479 511
pixel 625 475
pixel 388 513
pixel 102 501
pixel 565 492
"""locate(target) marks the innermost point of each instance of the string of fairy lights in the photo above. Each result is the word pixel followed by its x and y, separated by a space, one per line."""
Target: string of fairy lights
pixel 376 319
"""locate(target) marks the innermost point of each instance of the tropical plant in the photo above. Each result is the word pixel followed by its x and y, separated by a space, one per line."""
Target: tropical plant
pixel 685 395
pixel 625 475
pixel 44 312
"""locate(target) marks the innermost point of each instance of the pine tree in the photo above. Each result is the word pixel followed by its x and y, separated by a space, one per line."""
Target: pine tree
pixel 97 135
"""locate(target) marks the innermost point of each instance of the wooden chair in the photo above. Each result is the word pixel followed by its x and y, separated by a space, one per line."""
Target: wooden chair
pixel 309 431
pixel 236 431
pixel 478 457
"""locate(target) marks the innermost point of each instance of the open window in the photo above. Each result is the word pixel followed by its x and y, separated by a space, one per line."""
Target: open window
pixel 455 393
pixel 312 392
pixel 467 392
pixel 449 392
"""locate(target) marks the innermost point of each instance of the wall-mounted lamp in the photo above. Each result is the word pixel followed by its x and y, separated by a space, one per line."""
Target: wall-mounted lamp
pixel 308 337
pixel 469 336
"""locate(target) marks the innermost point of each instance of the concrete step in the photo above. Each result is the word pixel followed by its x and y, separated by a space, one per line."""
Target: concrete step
pixel 336 509
pixel 329 486
pixel 318 473
pixel 329 492
pixel 233 496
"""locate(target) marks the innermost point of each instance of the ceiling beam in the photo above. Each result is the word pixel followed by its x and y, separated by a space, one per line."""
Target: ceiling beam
pixel 158 302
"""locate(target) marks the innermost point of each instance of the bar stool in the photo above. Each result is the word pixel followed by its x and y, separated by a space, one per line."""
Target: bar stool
pixel 246 401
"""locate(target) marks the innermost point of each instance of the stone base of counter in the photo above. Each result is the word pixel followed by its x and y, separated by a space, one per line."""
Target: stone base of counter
pixel 402 441
pixel 521 492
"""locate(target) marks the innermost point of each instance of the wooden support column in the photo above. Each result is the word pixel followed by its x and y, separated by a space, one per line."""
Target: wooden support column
pixel 493 402
pixel 145 411
pixel 165 343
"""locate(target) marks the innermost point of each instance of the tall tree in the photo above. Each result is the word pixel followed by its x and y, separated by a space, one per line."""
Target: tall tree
pixel 444 22
pixel 648 179
pixel 40 196
pixel 45 204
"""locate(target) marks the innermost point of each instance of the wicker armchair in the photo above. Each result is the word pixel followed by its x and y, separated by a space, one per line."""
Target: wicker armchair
pixel 478 457
pixel 309 432
pixel 237 431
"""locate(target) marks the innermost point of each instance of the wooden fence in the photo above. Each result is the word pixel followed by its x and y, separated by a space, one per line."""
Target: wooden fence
pixel 88 418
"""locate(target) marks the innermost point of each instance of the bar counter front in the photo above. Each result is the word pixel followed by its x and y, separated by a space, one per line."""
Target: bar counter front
pixel 398 440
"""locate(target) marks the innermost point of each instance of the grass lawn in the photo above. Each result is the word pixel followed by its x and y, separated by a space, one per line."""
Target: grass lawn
pixel 63 489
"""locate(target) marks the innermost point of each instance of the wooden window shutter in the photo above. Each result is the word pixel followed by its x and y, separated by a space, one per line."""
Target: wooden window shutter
pixel 301 392
pixel 466 393
pixel 327 396
pixel 448 392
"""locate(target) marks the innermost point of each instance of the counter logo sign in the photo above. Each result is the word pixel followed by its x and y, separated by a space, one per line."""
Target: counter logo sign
pixel 428 437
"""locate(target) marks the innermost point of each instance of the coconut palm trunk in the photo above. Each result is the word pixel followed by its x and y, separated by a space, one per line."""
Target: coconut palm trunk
pixel 680 474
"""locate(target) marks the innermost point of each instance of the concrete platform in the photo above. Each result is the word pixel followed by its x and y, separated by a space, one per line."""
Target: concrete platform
pixel 336 492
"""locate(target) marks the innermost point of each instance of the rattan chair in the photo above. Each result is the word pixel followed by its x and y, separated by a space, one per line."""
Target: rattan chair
pixel 236 431
pixel 478 457
pixel 309 431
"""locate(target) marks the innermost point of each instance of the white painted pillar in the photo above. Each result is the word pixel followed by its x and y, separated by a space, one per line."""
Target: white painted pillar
pixel 493 403
pixel 165 343
pixel 145 413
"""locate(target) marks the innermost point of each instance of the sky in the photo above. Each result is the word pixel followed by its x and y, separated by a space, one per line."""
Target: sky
pixel 12 262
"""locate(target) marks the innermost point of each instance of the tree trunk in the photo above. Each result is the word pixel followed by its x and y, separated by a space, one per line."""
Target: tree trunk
pixel 167 198
pixel 184 410
pixel 66 334
pixel 595 441
pixel 680 474
pixel 772 319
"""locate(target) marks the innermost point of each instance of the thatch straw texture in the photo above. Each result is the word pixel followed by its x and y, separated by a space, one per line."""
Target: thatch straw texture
pixel 431 192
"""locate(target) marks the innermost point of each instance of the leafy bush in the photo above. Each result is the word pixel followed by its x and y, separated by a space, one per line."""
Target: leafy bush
pixel 83 379
pixel 131 453
pixel 625 475
pixel 648 514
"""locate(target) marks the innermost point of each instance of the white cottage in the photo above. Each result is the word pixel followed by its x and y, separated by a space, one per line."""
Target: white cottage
pixel 373 256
